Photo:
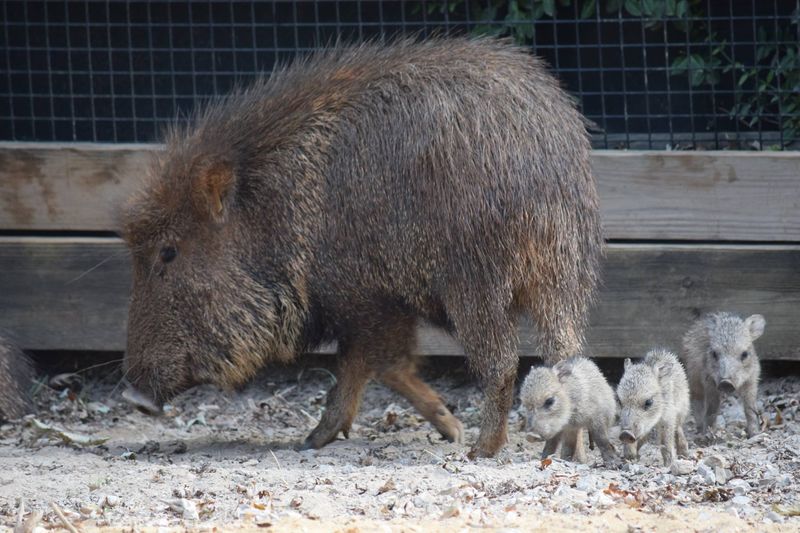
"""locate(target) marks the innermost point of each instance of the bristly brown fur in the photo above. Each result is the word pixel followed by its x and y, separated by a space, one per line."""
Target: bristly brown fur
pixel 353 192
pixel 16 380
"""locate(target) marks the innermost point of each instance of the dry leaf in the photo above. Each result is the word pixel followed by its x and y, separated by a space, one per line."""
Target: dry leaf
pixel 389 485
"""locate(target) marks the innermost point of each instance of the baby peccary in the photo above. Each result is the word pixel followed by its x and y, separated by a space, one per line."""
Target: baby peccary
pixel 351 195
pixel 16 378
pixel 562 400
pixel 654 394
pixel 719 356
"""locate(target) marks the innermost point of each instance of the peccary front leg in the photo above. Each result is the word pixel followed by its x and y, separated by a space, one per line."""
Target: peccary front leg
pixel 344 397
pixel 551 445
pixel 699 413
pixel 666 433
pixel 712 408
pixel 599 434
pixel 749 395
pixel 680 442
pixel 489 338
pixel 403 379
pixel 631 451
pixel 572 446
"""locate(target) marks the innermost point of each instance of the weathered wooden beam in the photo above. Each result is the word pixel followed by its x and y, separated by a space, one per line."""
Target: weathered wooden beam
pixel 708 196
pixel 645 195
pixel 72 293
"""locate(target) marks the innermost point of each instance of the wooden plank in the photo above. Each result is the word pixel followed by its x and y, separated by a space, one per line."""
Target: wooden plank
pixel 73 186
pixel 59 293
pixel 717 196
pixel 645 195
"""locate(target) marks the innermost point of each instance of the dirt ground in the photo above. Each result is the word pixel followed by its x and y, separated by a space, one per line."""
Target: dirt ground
pixel 227 461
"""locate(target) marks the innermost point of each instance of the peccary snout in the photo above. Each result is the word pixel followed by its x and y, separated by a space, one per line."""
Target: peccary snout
pixel 726 386
pixel 627 437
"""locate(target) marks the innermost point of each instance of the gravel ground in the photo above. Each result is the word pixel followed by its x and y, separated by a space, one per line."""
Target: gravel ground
pixel 227 460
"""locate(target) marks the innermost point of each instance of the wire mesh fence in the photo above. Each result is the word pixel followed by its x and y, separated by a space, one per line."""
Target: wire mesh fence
pixel 655 74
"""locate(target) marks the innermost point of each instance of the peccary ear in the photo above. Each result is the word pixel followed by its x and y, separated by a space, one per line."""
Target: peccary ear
pixel 663 370
pixel 563 370
pixel 627 363
pixel 215 189
pixel 755 324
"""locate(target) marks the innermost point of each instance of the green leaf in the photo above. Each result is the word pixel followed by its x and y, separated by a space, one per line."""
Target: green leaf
pixel 696 70
pixel 652 8
pixel 634 7
pixel 670 7
pixel 589 9
pixel 549 7
pixel 682 8
pixel 711 77
pixel 762 52
pixel 613 6
pixel 680 65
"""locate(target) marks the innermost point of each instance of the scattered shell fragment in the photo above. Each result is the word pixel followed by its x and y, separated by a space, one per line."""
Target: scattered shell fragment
pixel 70 437
pixel 184 507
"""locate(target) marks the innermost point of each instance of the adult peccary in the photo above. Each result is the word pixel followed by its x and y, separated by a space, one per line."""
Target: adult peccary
pixel 351 194
pixel 719 356
pixel 16 380
pixel 654 394
pixel 562 400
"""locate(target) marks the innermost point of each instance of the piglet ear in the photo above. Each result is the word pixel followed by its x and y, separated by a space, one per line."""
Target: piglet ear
pixel 214 189
pixel 563 370
pixel 663 370
pixel 627 363
pixel 755 324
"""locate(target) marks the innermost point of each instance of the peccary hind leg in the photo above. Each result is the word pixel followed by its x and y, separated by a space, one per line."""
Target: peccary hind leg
pixel 384 348
pixel 488 336
pixel 402 378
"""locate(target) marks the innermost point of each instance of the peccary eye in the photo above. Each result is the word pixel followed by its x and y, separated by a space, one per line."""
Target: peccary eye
pixel 744 355
pixel 548 403
pixel 714 354
pixel 168 253
pixel 648 403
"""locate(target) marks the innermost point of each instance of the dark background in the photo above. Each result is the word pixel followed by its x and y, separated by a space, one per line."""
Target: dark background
pixel 118 71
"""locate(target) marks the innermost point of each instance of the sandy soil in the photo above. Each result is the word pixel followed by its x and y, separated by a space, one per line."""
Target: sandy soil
pixel 228 461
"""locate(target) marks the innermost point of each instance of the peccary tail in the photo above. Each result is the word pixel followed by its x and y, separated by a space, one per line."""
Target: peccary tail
pixel 16 377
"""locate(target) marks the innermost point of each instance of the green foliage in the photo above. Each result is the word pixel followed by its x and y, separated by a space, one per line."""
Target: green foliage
pixel 769 87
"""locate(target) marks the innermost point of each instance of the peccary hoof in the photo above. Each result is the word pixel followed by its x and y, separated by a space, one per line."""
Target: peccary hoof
pixel 307 444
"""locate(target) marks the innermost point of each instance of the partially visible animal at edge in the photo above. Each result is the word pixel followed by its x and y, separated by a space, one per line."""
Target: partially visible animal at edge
pixel 16 380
